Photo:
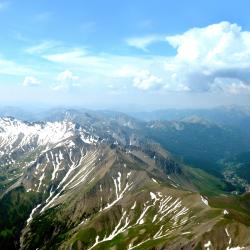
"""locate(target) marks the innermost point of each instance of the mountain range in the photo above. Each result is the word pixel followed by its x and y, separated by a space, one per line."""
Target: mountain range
pixel 81 179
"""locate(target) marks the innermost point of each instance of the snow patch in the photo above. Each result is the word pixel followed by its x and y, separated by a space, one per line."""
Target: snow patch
pixel 208 245
pixel 204 200
pixel 154 180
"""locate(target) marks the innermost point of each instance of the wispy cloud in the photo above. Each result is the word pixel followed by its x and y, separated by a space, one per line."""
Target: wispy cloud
pixel 143 42
pixel 75 56
pixel 208 59
pixel 8 67
pixel 108 65
pixel 42 47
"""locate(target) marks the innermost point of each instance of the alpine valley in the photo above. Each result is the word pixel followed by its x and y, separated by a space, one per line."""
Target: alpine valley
pixel 80 179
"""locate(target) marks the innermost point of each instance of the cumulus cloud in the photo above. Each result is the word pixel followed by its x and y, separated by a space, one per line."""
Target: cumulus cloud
pixel 30 81
pixel 125 71
pixel 66 80
pixel 232 86
pixel 237 88
pixel 145 80
pixel 206 56
pixel 240 88
pixel 211 58
pixel 216 43
pixel 142 79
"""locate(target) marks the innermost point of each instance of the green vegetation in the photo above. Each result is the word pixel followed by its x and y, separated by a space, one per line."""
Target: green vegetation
pixel 198 144
pixel 242 162
pixel 15 208
pixel 237 205
pixel 208 184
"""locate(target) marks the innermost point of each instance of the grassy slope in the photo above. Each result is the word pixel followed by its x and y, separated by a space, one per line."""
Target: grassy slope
pixel 238 206
pixel 206 183
pixel 15 208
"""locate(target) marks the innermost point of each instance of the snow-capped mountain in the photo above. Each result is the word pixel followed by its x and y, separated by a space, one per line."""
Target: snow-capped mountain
pixel 95 182
pixel 15 134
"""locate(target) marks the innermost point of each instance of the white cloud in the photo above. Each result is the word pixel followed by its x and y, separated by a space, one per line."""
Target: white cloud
pixel 237 88
pixel 107 65
pixel 145 80
pixel 77 56
pixel 240 88
pixel 217 43
pixel 142 79
pixel 81 60
pixel 143 42
pixel 126 71
pixel 176 88
pixel 30 81
pixel 66 80
pixel 231 86
pixel 42 47
pixel 205 54
pixel 8 67
pixel 67 75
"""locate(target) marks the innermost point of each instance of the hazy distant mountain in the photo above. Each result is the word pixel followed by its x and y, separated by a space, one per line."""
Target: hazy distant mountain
pixel 236 116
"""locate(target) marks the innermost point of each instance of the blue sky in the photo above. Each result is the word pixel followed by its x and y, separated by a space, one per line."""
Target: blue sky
pixel 145 54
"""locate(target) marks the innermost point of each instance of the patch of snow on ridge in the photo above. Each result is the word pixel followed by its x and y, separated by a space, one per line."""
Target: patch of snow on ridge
pixel 32 214
pixel 235 248
pixel 12 130
pixel 204 200
pixel 15 133
pixel 154 180
pixel 162 205
pixel 184 233
pixel 86 137
pixel 153 196
pixel 118 190
pixel 133 207
pixel 208 245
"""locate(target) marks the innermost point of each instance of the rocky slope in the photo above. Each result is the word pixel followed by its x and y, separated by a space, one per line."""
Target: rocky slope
pixel 86 181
